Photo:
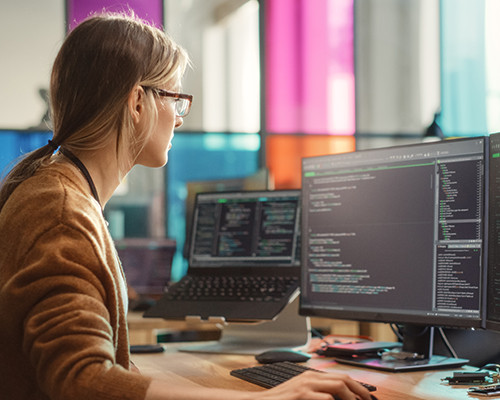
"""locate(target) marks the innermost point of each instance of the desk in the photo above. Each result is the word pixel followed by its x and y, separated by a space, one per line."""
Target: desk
pixel 212 370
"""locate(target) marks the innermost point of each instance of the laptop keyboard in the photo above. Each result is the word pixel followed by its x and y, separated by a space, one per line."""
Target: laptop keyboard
pixel 271 375
pixel 239 288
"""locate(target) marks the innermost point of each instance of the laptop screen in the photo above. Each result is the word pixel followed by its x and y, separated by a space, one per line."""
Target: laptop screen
pixel 248 228
pixel 146 263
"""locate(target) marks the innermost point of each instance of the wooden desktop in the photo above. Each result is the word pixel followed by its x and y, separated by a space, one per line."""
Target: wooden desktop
pixel 212 370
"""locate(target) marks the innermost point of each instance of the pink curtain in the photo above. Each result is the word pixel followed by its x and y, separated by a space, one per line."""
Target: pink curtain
pixel 309 66
pixel 149 10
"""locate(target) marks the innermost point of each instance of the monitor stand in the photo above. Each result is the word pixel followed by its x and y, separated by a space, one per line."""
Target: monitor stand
pixel 415 354
pixel 395 365
pixel 288 330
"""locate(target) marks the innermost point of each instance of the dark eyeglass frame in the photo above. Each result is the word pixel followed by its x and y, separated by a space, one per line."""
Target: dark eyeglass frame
pixel 175 95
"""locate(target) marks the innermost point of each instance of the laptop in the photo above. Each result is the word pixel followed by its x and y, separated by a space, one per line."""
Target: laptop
pixel 244 258
pixel 147 264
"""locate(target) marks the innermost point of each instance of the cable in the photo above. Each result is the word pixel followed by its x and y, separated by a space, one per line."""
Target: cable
pixel 317 333
pixel 447 343
pixel 396 331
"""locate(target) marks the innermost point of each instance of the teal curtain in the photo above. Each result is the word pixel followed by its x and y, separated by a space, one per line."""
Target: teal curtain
pixel 463 68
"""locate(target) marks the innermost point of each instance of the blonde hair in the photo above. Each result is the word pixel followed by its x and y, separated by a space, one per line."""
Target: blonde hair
pixel 101 61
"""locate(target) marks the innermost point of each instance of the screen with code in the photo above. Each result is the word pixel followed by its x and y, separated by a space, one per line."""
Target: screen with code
pixel 396 234
pixel 249 227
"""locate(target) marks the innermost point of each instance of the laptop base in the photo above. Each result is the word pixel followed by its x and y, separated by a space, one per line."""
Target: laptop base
pixel 289 330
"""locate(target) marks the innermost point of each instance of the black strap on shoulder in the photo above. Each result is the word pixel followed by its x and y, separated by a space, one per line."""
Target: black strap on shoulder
pixel 84 170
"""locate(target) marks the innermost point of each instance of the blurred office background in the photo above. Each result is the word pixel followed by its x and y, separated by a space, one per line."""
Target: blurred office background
pixel 273 81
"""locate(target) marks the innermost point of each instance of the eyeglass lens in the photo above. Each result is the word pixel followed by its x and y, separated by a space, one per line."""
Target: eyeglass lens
pixel 181 107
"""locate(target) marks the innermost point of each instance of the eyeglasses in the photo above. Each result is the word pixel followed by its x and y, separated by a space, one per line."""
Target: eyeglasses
pixel 182 101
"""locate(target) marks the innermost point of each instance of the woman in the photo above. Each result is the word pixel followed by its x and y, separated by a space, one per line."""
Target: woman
pixel 114 103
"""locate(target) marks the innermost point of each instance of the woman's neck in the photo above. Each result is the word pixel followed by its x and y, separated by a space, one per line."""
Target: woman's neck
pixel 102 166
pixel 104 170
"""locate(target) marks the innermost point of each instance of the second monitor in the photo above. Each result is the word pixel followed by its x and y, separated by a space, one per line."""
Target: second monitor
pixel 397 235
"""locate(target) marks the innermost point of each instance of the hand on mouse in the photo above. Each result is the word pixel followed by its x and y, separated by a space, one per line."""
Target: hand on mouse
pixel 314 385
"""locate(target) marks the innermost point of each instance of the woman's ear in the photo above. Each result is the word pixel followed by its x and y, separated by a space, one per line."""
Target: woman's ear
pixel 136 103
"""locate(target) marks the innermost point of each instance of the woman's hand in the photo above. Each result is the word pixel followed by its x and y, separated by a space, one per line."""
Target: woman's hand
pixel 310 385
pixel 313 385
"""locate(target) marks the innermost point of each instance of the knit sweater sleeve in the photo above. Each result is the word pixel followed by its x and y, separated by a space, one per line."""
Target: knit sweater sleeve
pixel 66 296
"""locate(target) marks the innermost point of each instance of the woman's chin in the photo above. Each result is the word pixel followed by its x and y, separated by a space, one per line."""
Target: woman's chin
pixel 154 163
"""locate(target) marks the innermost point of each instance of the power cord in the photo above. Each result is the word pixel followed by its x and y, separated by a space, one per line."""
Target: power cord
pixel 447 342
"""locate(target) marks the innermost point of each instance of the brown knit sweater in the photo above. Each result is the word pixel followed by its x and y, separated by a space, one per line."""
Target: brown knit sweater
pixel 63 331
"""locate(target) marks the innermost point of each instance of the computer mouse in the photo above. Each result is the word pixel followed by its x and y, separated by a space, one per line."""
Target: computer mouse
pixel 279 355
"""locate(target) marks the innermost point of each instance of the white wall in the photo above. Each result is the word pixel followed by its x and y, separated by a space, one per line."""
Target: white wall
pixel 222 39
pixel 31 32
pixel 397 65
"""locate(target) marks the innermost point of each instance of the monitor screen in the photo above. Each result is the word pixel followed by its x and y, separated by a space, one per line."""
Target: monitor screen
pixel 248 228
pixel 146 263
pixel 396 234
pixel 258 181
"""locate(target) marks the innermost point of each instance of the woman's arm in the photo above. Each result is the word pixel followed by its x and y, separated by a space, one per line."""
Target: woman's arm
pixel 66 297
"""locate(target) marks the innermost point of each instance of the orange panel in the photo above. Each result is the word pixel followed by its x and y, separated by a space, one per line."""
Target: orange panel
pixel 285 152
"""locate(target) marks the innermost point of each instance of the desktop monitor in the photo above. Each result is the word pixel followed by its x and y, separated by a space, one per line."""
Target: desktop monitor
pixel 397 235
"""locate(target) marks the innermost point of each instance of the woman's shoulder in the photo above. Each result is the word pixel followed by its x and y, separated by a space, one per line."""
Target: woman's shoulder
pixel 53 208
pixel 53 195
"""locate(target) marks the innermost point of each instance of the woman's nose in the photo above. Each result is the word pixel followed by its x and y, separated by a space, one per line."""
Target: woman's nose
pixel 178 121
